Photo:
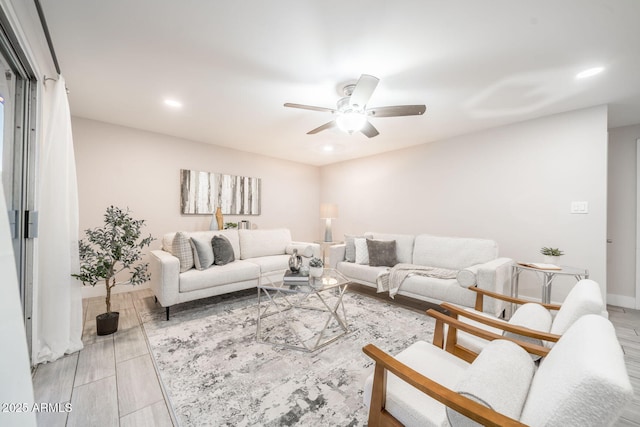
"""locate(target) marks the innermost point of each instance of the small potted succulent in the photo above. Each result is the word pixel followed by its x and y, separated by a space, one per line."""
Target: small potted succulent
pixel 551 255
pixel 315 267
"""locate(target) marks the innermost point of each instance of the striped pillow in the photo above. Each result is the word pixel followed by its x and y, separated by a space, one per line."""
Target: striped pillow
pixel 181 249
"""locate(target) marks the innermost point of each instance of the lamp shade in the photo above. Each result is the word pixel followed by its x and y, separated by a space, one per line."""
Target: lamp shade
pixel 328 210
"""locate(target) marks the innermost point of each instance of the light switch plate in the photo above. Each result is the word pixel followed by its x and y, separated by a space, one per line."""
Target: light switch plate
pixel 579 207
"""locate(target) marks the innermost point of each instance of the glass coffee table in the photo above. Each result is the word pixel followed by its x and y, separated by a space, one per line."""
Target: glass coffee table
pixel 303 316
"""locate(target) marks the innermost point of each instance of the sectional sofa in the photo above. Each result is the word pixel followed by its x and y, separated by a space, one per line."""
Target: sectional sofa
pixel 187 267
pixel 473 262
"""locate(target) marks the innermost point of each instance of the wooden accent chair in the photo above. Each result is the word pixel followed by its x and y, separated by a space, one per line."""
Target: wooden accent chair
pixel 582 381
pixel 532 322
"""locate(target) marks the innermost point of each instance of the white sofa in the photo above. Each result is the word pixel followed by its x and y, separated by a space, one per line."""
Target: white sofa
pixel 255 251
pixel 476 261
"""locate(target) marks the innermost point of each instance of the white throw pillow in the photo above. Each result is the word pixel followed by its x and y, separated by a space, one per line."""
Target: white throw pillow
pixel 362 252
pixel 499 378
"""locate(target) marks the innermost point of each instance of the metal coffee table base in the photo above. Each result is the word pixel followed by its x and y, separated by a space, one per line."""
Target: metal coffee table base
pixel 290 305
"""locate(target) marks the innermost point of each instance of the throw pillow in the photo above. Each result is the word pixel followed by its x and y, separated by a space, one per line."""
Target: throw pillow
pixel 362 253
pixel 498 378
pixel 382 253
pixel 350 248
pixel 181 249
pixel 222 250
pixel 202 252
pixel 467 276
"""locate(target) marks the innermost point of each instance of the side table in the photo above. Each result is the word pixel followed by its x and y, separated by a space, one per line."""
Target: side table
pixel 548 276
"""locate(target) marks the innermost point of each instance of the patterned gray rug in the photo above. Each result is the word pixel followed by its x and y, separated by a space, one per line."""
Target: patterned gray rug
pixel 216 374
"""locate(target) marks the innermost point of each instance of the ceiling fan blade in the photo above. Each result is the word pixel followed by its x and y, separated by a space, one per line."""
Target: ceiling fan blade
pixel 363 91
pixel 397 110
pixel 369 130
pixel 325 126
pixel 310 107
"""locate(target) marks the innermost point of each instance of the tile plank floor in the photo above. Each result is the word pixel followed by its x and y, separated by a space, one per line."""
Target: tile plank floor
pixel 113 381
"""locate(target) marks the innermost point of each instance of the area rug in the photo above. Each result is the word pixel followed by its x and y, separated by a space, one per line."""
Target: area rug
pixel 216 374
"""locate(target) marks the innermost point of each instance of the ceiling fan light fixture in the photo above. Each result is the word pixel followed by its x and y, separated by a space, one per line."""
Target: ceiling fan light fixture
pixel 351 121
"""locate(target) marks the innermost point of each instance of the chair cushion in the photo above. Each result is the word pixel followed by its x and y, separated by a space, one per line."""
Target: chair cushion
pixel 406 403
pixel 533 316
pixel 499 378
pixel 583 380
pixel 584 298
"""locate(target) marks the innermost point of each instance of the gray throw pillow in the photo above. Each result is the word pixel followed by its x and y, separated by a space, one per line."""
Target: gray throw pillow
pixel 382 253
pixel 202 252
pixel 350 247
pixel 181 249
pixel 222 250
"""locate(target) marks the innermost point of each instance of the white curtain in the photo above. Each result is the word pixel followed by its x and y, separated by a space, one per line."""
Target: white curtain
pixel 58 298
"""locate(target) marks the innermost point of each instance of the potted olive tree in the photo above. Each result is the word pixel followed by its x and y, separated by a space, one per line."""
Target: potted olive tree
pixel 108 251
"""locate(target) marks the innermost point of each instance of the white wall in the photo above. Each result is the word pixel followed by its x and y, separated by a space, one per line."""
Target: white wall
pixel 621 256
pixel 128 167
pixel 513 184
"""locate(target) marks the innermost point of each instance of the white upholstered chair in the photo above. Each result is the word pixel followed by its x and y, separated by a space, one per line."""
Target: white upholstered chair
pixel 542 324
pixel 582 381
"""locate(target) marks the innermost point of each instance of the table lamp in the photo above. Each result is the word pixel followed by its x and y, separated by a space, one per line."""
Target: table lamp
pixel 328 211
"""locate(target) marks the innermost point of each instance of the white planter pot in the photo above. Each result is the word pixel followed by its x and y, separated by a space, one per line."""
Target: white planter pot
pixel 548 259
pixel 316 271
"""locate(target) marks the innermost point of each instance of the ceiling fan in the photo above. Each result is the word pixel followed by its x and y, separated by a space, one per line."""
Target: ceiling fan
pixel 352 112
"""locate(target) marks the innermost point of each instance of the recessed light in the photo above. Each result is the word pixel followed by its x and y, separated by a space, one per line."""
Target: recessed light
pixel 173 103
pixel 589 72
pixel 327 148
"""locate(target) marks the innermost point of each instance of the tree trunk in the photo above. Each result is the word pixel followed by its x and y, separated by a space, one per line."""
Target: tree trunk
pixel 108 298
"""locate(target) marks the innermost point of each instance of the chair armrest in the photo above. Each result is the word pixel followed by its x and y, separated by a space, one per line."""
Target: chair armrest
pixel 385 362
pixel 481 293
pixel 500 324
pixel 455 325
pixel 336 254
pixel 165 277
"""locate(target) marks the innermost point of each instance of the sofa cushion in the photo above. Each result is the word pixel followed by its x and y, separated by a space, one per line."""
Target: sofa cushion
pixel 218 275
pixel 181 249
pixel 404 244
pixel 257 243
pixel 222 250
pixel 362 252
pixel 202 252
pixel 454 253
pixel 360 273
pixel 382 252
pixel 271 262
pixel 498 378
pixel 437 290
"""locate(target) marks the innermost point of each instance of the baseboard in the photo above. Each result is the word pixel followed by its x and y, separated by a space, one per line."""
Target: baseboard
pixel 621 301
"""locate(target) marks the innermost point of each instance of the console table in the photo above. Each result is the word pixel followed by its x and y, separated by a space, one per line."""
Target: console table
pixel 547 276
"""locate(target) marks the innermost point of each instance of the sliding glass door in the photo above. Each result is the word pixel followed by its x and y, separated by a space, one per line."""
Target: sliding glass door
pixel 17 159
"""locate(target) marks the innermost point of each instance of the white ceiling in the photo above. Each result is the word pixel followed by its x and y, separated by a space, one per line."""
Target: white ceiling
pixel 233 64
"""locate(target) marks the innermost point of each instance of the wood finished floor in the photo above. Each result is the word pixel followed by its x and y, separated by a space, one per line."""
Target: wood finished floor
pixel 113 380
